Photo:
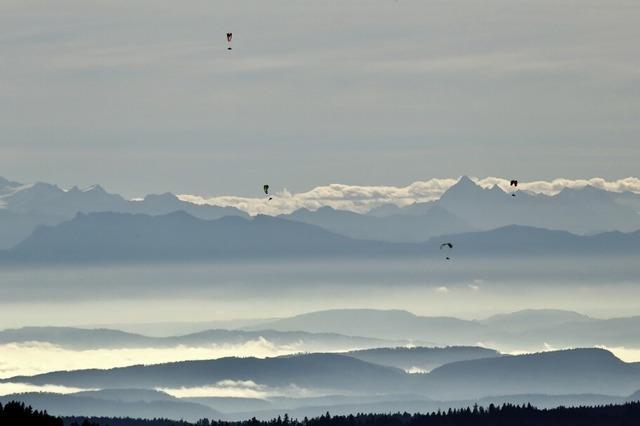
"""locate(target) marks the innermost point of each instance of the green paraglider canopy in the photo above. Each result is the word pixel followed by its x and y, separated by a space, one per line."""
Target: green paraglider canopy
pixel 265 188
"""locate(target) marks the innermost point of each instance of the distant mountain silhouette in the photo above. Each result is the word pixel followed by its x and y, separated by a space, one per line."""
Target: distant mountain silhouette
pixel 180 236
pixel 82 339
pixel 529 241
pixel 422 358
pixel 612 332
pixel 381 324
pixel 342 330
pixel 113 237
pixel 15 226
pixel 560 372
pixel 397 228
pixel 466 206
pixel 534 318
pixel 567 372
pixel 313 371
pixel 24 207
pixel 228 405
pixel 582 211
pixel 462 208
pixel 516 331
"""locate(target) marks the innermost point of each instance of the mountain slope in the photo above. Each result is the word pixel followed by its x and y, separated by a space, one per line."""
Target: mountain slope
pixel 309 371
pixel 179 236
pixel 24 207
pixel 560 372
pixel 83 339
pixel 583 211
pixel 533 318
pixel 379 323
pixel 116 237
pixel 94 404
pixel 396 228
pixel 421 358
pixel 577 371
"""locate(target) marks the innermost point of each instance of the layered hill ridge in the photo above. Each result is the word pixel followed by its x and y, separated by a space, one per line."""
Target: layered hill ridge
pixel 575 371
pixel 179 236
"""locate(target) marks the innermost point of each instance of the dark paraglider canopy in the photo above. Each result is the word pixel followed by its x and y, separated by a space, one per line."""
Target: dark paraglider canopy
pixel 447 247
pixel 514 182
pixel 265 188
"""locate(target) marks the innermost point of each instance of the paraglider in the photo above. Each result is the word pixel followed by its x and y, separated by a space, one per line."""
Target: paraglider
pixel 447 247
pixel 513 182
pixel 265 188
pixel 229 37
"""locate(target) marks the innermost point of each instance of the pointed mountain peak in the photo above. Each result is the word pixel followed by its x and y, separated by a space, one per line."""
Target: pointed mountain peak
pixel 465 181
pixel 465 186
pixel 96 189
pixel 497 189
pixel 6 182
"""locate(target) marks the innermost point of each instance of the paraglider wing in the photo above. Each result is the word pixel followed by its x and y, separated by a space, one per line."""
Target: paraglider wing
pixel 447 247
pixel 514 183
pixel 265 188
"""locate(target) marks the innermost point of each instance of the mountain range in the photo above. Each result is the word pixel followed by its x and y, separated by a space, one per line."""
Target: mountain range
pixel 521 330
pixel 178 236
pixel 576 371
pixel 85 339
pixel 467 207
pixel 382 331
pixel 23 207
pixel 463 208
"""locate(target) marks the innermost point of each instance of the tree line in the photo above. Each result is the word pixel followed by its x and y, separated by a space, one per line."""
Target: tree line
pixel 15 413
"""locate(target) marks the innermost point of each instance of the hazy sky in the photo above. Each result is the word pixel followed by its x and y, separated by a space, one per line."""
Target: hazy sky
pixel 143 97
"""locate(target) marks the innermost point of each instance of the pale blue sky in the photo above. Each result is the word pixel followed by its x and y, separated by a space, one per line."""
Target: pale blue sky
pixel 143 97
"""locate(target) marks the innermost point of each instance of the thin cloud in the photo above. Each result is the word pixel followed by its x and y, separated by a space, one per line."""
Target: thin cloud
pixel 240 389
pixel 361 199
pixel 12 388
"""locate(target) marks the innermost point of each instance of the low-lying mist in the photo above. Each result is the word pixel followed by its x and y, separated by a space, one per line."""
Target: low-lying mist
pixel 39 357
pixel 465 288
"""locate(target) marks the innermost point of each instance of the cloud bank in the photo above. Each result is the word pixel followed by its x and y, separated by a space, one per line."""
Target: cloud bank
pixel 240 389
pixel 13 388
pixel 40 357
pixel 361 199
